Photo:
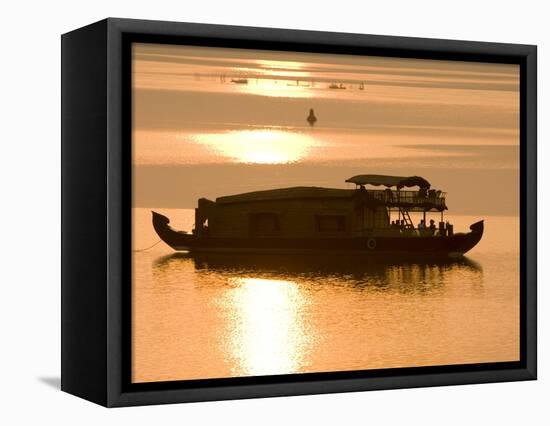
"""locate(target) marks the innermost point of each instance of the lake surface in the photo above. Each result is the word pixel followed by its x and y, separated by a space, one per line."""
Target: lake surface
pixel 233 316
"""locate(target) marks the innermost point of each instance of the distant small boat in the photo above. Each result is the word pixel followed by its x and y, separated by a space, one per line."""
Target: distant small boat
pixel 362 86
pixel 239 80
pixel 298 84
pixel 337 86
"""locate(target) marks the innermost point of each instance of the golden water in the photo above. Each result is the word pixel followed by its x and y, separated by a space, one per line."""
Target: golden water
pixel 233 316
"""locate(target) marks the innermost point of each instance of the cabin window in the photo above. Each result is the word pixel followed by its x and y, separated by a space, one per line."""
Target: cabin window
pixel 330 223
pixel 264 224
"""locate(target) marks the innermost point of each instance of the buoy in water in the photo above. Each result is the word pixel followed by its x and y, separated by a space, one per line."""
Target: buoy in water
pixel 311 119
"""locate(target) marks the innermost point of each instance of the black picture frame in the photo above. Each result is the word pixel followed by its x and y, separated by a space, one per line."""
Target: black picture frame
pixel 96 216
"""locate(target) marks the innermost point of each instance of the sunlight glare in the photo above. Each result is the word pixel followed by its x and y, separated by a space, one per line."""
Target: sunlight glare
pixel 266 146
pixel 269 336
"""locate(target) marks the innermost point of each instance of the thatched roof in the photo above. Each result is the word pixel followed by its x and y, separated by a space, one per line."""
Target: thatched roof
pixel 297 192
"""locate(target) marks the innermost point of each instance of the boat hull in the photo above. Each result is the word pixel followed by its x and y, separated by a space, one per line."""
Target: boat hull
pixel 455 245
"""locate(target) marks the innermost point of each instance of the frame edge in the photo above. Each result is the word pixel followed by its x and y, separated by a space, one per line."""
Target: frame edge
pixel 83 236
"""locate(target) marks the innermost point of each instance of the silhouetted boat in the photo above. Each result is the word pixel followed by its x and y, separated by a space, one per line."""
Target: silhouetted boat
pixel 327 220
pixel 337 86
pixel 239 80
pixel 298 84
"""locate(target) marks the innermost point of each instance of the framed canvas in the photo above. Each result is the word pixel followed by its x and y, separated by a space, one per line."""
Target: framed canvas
pixel 254 212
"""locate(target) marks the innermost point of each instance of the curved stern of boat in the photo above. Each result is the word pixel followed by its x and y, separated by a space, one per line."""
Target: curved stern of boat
pixel 178 240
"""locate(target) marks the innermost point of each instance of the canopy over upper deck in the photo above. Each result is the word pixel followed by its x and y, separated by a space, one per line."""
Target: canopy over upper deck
pixel 390 181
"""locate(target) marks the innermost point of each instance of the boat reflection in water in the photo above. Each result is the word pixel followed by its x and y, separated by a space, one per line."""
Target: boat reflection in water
pixel 404 274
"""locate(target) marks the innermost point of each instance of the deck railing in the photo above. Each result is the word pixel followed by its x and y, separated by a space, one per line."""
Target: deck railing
pixel 433 198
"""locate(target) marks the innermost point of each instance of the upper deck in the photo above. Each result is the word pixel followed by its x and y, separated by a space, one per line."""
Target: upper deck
pixel 411 200
pixel 423 199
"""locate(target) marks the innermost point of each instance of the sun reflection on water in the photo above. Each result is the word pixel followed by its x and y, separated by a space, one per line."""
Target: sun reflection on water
pixel 263 146
pixel 268 335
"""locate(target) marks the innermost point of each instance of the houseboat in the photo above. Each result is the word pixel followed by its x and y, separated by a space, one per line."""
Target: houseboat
pixel 327 220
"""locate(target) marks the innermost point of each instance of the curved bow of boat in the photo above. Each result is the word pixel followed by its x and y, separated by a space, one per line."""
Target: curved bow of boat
pixel 477 227
pixel 463 243
pixel 178 240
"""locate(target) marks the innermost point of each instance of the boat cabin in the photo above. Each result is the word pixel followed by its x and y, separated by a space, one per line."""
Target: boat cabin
pixel 319 212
